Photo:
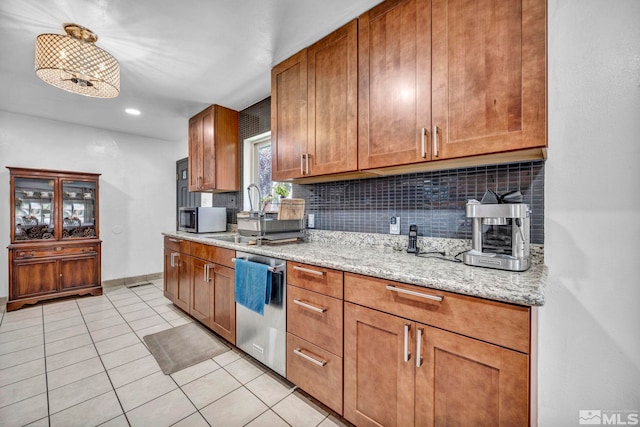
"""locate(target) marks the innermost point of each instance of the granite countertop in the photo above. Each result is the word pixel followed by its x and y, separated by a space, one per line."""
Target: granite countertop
pixel 383 256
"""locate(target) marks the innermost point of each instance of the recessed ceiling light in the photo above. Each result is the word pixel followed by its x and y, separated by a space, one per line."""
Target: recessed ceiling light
pixel 132 111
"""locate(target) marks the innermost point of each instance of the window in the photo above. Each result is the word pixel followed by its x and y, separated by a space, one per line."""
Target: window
pixel 257 170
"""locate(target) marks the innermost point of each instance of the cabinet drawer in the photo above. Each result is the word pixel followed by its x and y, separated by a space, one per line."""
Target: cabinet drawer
pixel 315 317
pixel 317 279
pixel 55 250
pixel 316 371
pixel 495 322
pixel 215 254
pixel 178 245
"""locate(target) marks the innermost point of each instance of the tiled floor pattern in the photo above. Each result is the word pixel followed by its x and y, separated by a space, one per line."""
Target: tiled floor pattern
pixel 82 362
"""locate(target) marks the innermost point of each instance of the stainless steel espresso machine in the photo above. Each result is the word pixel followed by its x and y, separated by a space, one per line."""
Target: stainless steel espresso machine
pixel 500 235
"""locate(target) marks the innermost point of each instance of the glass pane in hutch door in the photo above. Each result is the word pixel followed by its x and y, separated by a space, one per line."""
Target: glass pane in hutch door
pixel 78 209
pixel 34 215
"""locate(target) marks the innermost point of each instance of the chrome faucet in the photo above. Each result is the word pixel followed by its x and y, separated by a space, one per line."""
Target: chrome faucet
pixel 260 210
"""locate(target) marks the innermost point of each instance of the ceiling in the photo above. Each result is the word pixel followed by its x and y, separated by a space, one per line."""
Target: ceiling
pixel 176 57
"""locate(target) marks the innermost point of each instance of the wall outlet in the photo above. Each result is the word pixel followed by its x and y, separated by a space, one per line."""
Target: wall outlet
pixel 394 225
pixel 311 220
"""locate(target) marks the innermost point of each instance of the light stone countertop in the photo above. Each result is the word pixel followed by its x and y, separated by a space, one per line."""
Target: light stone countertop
pixel 383 256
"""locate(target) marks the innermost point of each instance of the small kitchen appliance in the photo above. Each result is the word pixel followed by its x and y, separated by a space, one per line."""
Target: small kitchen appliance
pixel 500 235
pixel 201 219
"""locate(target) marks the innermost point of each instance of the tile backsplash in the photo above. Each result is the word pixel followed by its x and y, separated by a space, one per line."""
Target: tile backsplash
pixel 434 201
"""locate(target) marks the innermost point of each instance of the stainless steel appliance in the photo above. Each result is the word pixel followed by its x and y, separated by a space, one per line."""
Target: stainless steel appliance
pixel 500 235
pixel 265 337
pixel 200 219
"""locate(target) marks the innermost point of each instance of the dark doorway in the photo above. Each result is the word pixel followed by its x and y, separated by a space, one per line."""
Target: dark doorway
pixel 183 196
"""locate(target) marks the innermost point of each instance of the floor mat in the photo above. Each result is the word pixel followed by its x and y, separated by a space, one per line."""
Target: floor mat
pixel 183 346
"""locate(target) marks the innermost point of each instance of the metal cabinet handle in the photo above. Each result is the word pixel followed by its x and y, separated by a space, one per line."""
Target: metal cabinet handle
pixel 435 141
pixel 302 164
pixel 423 142
pixel 307 270
pixel 174 255
pixel 414 293
pixel 22 253
pixel 33 253
pixel 207 272
pixel 175 240
pixel 307 162
pixel 419 348
pixel 407 354
pixel 58 248
pixel 298 352
pixel 309 306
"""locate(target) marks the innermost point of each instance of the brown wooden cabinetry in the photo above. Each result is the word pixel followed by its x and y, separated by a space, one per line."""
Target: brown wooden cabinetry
pixel 401 370
pixel 314 331
pixel 198 279
pixel 314 108
pixel 442 80
pixel 213 150
pixel 55 249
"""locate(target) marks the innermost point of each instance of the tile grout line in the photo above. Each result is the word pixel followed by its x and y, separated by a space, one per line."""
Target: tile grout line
pixel 105 369
pixel 46 373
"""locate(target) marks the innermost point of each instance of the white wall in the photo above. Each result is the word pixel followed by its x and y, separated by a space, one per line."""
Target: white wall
pixel 590 326
pixel 137 186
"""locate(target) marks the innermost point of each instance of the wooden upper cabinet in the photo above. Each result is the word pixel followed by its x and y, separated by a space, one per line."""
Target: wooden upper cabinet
pixel 289 117
pixel 489 76
pixel 213 150
pixel 394 98
pixel 314 126
pixel 332 90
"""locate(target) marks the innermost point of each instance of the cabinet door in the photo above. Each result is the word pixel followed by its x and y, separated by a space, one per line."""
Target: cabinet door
pixel 223 320
pixel 378 383
pixel 32 278
pixel 394 96
pixel 489 91
pixel 462 381
pixel 289 117
pixel 332 144
pixel 202 288
pixel 208 156
pixel 78 272
pixel 183 296
pixel 171 274
pixel 195 152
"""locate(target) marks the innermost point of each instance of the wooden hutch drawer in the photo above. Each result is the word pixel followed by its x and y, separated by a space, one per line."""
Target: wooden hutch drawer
pixel 177 245
pixel 316 371
pixel 499 323
pixel 58 250
pixel 214 254
pixel 317 279
pixel 315 317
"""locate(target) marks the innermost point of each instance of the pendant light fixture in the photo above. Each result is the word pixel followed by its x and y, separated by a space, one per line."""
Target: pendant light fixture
pixel 74 63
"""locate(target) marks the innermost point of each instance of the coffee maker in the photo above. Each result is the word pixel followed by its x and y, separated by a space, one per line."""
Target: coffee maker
pixel 500 235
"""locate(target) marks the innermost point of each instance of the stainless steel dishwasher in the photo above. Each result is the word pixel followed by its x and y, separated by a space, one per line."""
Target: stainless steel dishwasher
pixel 265 337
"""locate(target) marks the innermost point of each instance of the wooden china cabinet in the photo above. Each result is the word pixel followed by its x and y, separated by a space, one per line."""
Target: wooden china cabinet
pixel 55 245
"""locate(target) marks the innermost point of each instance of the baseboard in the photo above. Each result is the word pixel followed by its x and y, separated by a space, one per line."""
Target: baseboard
pixel 131 280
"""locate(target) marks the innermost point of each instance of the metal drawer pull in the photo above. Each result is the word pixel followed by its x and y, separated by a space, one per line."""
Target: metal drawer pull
pixel 414 293
pixel 419 348
pixel 306 270
pixel 58 248
pixel 175 240
pixel 407 355
pixel 309 306
pixel 423 142
pixel 298 352
pixel 174 255
pixel 207 269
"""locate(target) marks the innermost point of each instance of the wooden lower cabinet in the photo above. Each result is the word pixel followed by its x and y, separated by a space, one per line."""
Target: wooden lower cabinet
pixel 171 273
pixel 39 273
pixel 403 373
pixel 223 303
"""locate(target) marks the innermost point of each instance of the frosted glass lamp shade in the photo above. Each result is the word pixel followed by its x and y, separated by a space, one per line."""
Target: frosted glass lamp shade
pixel 74 63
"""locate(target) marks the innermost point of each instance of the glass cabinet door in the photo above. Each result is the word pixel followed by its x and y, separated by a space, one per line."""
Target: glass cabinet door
pixel 78 209
pixel 34 213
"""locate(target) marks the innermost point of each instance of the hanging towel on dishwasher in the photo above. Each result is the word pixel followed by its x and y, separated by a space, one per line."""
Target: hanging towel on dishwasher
pixel 253 285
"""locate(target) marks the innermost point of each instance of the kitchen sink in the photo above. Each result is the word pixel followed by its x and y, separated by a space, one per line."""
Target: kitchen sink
pixel 232 239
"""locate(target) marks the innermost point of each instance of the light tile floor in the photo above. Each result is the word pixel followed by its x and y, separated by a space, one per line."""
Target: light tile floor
pixel 82 362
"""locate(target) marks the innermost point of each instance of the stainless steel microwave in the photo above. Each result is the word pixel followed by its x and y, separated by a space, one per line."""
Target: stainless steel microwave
pixel 202 219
